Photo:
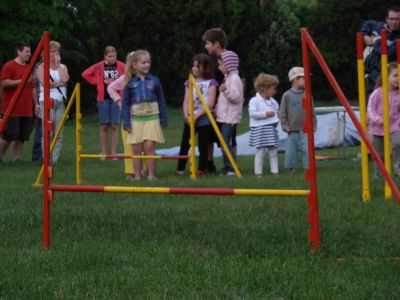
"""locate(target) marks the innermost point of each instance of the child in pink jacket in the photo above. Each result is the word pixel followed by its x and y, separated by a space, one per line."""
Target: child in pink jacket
pixel 375 118
pixel 229 106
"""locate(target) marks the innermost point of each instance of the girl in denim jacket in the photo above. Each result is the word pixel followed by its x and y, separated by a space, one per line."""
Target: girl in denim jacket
pixel 144 110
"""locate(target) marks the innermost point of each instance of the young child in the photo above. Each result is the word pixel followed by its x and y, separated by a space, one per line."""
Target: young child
pixel 114 90
pixel 375 117
pixel 292 116
pixel 101 75
pixel 230 103
pixel 202 72
pixel 263 112
pixel 215 41
pixel 144 110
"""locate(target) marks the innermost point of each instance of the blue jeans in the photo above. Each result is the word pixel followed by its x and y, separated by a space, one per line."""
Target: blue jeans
pixel 109 112
pixel 228 132
pixel 296 140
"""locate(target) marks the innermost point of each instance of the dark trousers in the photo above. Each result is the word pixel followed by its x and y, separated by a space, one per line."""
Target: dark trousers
pixel 37 141
pixel 203 133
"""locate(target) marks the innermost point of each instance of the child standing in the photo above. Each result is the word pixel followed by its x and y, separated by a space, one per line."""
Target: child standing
pixel 230 103
pixel 263 112
pixel 144 110
pixel 292 116
pixel 101 75
pixel 215 41
pixel 375 117
pixel 203 74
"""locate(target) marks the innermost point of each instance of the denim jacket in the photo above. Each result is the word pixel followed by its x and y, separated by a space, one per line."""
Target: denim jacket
pixel 138 91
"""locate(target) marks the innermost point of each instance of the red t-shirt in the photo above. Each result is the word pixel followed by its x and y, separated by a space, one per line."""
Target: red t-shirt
pixel 24 105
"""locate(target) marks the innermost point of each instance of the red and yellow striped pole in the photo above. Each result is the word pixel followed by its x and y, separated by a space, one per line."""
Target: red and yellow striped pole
pixel 366 195
pixel 386 120
pixel 123 156
pixel 178 190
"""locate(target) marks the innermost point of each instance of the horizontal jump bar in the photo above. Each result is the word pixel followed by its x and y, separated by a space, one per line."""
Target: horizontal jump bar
pixel 117 156
pixel 172 190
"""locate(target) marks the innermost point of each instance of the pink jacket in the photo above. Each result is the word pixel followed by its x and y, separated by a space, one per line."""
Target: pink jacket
pixel 229 106
pixel 375 112
pixel 116 87
pixel 95 76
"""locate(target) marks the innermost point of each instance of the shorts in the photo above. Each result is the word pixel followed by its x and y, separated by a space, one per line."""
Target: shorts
pixel 109 112
pixel 18 129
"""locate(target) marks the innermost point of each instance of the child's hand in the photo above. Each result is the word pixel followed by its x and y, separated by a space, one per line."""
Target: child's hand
pixel 128 130
pixel 379 121
pixel 222 87
pixel 270 113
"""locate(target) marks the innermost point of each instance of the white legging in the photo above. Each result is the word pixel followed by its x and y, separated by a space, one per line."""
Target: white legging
pixel 259 160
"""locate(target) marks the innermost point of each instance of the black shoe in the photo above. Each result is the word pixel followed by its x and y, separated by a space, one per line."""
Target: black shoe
pixel 211 169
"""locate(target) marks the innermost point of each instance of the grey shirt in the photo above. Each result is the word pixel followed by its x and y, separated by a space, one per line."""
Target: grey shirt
pixel 292 114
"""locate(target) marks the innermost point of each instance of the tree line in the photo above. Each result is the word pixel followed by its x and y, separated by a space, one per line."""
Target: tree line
pixel 265 34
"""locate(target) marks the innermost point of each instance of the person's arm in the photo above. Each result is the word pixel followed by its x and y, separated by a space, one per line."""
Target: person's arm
pixel 126 110
pixel 114 88
pixel 212 97
pixel 372 113
pixel 64 75
pixel 162 105
pixel 234 90
pixel 185 105
pixel 254 112
pixel 90 74
pixel 371 32
pixel 6 81
pixel 283 114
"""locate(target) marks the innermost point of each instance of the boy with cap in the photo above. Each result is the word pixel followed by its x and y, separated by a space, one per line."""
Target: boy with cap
pixel 292 116
pixel 230 102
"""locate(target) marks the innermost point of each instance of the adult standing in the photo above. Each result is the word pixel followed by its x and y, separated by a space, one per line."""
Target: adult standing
pixel 101 75
pixel 58 93
pixel 19 125
pixel 371 31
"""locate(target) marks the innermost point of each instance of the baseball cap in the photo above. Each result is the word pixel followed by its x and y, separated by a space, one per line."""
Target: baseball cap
pixel 295 72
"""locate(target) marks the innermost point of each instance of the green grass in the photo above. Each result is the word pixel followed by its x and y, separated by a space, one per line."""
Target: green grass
pixel 123 246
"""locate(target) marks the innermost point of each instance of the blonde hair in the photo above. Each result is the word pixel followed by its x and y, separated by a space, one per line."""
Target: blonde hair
pixel 265 81
pixel 131 58
pixel 54 45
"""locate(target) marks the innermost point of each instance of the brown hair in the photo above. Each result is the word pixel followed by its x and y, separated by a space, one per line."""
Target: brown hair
pixel 214 35
pixel 265 81
pixel 205 65
pixel 391 67
pixel 109 49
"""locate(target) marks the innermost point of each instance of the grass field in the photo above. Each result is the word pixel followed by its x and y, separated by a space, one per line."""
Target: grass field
pixel 133 246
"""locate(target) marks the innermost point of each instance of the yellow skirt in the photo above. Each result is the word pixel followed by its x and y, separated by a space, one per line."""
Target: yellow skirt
pixel 145 131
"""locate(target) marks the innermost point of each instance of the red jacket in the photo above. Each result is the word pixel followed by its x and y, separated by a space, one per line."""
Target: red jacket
pixel 95 76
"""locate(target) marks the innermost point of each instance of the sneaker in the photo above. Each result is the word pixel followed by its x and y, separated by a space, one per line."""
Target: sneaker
pixel 211 169
pixel 228 173
pixel 275 174
pixel 151 178
pixel 114 158
pixel 102 158
pixel 258 175
pixel 179 173
pixel 130 176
